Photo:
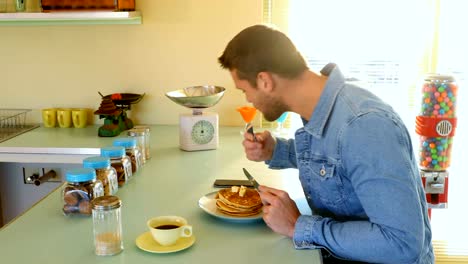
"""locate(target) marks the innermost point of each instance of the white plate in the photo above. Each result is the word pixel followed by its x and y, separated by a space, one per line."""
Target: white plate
pixel 208 204
pixel 146 242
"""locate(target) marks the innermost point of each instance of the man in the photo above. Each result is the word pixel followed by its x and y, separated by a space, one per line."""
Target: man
pixel 354 155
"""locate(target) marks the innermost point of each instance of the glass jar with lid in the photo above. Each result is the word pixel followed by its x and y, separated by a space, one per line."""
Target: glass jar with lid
pixel 147 136
pixel 80 189
pixel 107 225
pixel 132 150
pixel 104 172
pixel 120 162
pixel 141 136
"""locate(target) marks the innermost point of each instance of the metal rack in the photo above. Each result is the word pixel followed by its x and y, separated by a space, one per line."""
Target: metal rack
pixel 13 123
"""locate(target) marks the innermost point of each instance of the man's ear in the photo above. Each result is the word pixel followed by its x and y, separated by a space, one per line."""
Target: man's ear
pixel 265 81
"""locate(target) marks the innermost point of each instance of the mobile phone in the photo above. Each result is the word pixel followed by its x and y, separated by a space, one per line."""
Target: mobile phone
pixel 224 183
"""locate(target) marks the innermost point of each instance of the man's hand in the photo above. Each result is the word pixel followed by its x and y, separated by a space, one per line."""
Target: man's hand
pixel 261 149
pixel 280 212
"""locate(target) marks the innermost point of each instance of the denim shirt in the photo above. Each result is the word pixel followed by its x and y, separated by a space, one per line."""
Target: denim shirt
pixel 359 175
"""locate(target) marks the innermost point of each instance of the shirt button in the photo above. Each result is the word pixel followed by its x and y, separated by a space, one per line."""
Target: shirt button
pixel 323 172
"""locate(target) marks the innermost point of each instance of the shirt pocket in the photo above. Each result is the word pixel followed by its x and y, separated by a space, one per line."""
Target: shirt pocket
pixel 323 182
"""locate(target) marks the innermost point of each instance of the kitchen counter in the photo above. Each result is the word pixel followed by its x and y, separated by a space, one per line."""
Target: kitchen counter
pixel 53 145
pixel 171 183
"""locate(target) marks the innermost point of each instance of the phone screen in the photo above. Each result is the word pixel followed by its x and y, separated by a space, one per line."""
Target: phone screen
pixel 223 183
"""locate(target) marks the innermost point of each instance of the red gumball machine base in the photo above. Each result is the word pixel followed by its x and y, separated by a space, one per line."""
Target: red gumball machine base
pixel 436 187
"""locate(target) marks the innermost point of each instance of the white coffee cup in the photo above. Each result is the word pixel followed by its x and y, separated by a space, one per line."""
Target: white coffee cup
pixel 166 230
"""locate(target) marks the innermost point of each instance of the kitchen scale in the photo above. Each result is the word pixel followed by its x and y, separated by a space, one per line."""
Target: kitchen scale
pixel 198 130
pixel 113 110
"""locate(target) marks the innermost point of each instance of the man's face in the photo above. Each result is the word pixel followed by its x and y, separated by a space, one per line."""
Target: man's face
pixel 270 106
pixel 246 88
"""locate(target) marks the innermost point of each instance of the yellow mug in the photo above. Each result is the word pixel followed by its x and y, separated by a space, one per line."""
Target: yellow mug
pixel 64 117
pixel 49 117
pixel 80 117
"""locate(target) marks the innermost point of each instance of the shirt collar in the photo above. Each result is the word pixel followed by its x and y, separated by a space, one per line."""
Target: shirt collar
pixel 321 113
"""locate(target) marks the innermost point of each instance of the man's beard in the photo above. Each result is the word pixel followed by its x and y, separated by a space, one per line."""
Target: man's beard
pixel 273 109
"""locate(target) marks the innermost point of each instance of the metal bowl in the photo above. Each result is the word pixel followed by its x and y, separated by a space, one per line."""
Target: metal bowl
pixel 202 96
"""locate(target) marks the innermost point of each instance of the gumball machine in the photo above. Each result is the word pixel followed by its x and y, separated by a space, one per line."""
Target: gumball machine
pixel 436 125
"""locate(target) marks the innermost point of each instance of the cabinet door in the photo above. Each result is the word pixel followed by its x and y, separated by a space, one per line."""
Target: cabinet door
pixel 16 196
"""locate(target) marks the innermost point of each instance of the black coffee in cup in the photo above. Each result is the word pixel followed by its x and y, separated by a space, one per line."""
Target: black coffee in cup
pixel 167 226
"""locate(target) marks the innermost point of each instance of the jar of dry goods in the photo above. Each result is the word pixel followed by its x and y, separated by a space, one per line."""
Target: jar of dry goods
pixel 104 172
pixel 147 136
pixel 120 162
pixel 140 134
pixel 80 189
pixel 107 225
pixel 132 150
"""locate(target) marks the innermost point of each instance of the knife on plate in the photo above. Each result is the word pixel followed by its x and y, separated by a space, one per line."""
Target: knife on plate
pixel 251 179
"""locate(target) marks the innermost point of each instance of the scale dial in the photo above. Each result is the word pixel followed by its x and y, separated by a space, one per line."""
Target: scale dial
pixel 202 132
pixel 198 132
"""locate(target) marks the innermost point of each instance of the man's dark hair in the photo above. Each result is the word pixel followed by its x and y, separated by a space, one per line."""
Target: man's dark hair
pixel 261 48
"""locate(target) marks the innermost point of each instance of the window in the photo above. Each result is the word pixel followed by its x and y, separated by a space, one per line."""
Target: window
pixel 381 44
pixel 388 46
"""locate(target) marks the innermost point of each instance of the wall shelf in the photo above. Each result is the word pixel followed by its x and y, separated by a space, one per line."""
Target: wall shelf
pixel 71 18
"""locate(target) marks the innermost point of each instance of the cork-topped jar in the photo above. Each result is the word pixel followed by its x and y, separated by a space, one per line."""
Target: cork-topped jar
pixel 120 162
pixel 104 172
pixel 80 189
pixel 132 151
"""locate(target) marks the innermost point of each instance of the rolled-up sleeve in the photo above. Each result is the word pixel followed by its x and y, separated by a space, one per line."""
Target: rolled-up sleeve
pixel 302 237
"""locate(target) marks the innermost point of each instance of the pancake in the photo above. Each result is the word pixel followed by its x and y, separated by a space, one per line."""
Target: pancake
pixel 235 211
pixel 230 202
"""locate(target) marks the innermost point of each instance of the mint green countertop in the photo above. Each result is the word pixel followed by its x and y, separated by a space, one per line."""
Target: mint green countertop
pixel 171 183
pixel 44 140
pixel 54 145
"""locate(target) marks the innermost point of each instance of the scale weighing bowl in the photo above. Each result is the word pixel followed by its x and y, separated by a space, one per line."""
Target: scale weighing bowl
pixel 202 96
pixel 125 99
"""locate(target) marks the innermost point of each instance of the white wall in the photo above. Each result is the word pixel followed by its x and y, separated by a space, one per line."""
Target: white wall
pixel 177 45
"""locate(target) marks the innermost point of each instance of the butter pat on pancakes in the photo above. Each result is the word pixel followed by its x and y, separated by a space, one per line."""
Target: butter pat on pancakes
pixel 242 191
pixel 239 201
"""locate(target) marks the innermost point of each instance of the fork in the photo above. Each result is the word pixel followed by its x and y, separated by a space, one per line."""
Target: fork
pixel 249 129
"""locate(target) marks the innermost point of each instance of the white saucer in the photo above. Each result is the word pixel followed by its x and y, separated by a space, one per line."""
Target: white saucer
pixel 146 242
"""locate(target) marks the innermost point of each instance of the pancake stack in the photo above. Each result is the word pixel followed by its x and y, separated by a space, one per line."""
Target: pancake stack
pixel 240 202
